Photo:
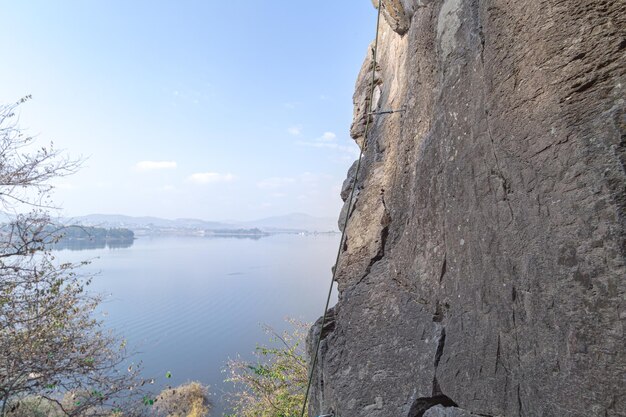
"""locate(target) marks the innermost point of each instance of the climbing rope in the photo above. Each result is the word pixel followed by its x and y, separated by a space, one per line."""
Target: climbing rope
pixel 368 115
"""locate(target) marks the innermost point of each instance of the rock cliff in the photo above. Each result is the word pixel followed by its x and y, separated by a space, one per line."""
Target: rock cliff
pixel 484 268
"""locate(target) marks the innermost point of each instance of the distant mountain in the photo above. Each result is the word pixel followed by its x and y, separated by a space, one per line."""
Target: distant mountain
pixel 290 223
pixel 295 221
pixel 119 220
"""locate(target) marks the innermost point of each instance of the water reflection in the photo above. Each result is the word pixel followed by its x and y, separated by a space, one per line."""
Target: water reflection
pixel 90 244
pixel 188 304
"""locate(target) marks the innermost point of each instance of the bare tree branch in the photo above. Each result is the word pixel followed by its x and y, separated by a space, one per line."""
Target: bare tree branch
pixel 51 347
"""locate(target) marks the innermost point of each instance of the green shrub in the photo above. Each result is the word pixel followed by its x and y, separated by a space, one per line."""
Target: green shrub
pixel 274 385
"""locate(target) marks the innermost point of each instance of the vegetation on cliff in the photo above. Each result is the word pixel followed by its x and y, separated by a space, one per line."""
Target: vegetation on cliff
pixel 187 400
pixel 57 358
pixel 274 384
pixel 53 349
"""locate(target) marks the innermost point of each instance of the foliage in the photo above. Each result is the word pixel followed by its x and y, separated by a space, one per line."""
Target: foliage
pixel 35 407
pixel 188 400
pixel 274 385
pixel 53 353
pixel 95 233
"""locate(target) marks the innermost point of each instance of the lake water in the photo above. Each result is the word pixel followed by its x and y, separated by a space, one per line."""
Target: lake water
pixel 189 304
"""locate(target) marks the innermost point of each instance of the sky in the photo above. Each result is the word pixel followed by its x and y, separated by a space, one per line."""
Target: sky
pixel 205 109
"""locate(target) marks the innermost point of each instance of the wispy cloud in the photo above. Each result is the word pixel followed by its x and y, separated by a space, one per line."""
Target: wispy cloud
pixel 64 186
pixel 210 177
pixel 329 141
pixel 154 165
pixel 275 182
pixel 295 130
pixel 190 95
pixel 104 184
pixel 310 177
pixel 290 105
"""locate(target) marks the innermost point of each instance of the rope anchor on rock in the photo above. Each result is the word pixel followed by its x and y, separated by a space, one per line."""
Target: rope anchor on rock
pixel 345 224
pixel 400 110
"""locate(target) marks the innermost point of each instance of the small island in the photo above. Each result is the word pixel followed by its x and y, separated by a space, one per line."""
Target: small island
pixel 90 237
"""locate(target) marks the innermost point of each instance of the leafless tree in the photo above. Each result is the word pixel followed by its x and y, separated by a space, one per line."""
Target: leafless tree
pixel 52 349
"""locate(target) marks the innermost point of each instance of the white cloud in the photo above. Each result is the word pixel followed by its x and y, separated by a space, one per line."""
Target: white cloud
pixel 275 182
pixel 345 157
pixel 311 178
pixel 210 177
pixel 295 130
pixel 64 186
pixel 351 149
pixel 104 184
pixel 328 140
pixel 154 165
pixel 318 144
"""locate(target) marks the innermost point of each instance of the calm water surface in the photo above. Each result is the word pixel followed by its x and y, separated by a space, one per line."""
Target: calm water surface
pixel 187 305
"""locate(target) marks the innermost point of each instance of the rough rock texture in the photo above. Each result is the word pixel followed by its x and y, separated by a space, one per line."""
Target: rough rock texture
pixel 441 411
pixel 484 268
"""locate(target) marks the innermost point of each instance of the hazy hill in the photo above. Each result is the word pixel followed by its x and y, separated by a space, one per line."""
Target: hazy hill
pixel 119 220
pixel 293 222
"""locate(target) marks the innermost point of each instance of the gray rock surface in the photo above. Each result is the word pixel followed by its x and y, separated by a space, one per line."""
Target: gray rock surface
pixel 441 411
pixel 485 258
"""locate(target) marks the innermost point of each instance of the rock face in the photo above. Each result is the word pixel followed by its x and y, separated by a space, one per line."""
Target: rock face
pixel 441 411
pixel 484 269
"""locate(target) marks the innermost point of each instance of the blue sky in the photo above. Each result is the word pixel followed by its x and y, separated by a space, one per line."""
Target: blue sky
pixel 207 109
